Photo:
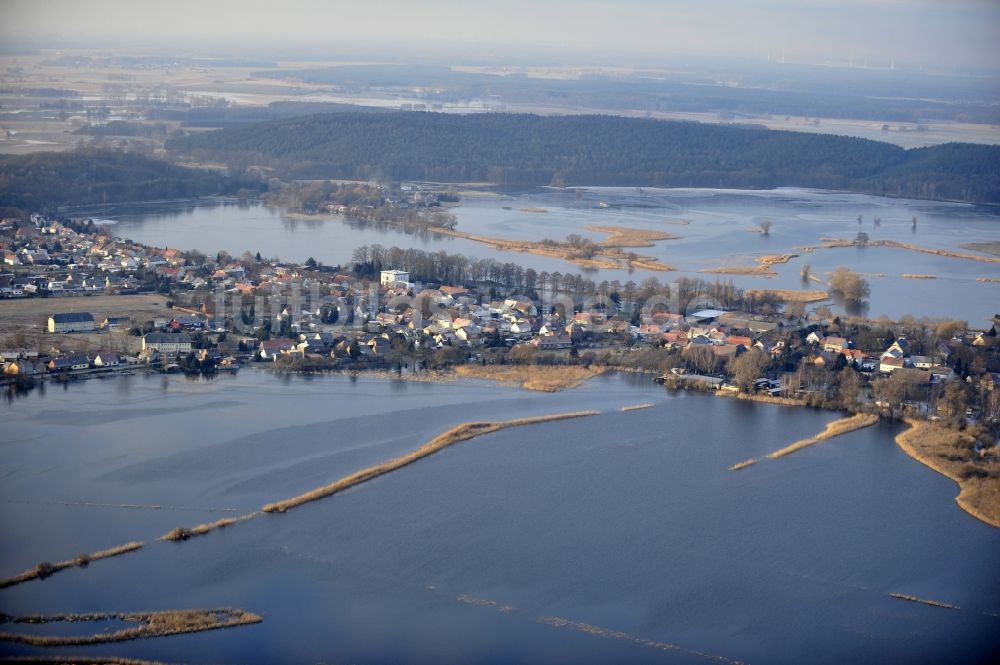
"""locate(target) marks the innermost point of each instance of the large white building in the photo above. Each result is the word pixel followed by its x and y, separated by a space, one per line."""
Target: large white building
pixel 390 277
pixel 166 342
pixel 71 322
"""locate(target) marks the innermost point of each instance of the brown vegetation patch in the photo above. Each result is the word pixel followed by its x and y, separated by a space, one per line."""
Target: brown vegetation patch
pixel 608 254
pixel 952 453
pixel 542 378
pixel 454 435
pixel 45 568
pixel 636 407
pixel 150 624
pixel 932 603
pixel 744 464
pixel 534 210
pixel 992 280
pixel 623 236
pixel 762 269
pixel 789 295
pixel 909 275
pixel 183 533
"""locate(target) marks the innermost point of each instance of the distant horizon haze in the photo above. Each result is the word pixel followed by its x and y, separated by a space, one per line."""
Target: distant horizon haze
pixel 911 33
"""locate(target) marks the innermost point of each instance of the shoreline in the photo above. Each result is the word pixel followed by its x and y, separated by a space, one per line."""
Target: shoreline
pixel 925 443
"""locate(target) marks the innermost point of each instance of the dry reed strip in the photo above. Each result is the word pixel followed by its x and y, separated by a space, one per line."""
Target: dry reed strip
pixel 541 378
pixel 932 603
pixel 830 243
pixel 44 569
pixel 636 407
pixel 183 533
pixel 744 464
pixel 910 275
pixel 989 280
pixel 599 631
pixel 951 453
pixel 462 432
pixel 150 624
pixel 835 428
pixel 790 295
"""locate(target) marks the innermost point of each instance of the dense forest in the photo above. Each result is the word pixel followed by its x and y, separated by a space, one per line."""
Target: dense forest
pixel 46 180
pixel 519 149
pixel 882 96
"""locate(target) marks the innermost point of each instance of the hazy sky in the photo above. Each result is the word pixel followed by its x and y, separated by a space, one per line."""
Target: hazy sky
pixel 953 32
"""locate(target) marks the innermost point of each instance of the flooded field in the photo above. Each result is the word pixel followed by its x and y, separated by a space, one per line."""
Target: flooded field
pixel 714 229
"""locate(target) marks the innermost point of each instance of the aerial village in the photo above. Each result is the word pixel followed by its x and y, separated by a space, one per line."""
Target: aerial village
pixel 369 316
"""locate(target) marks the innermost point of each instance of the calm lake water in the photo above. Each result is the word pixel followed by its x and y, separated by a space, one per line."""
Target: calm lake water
pixel 626 521
pixel 714 228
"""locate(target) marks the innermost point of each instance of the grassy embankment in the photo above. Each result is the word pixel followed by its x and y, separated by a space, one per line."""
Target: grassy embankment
pixel 951 453
pixel 832 429
pixel 542 378
pixel 609 253
pixel 45 569
pixel 454 435
pixel 762 269
pixel 150 624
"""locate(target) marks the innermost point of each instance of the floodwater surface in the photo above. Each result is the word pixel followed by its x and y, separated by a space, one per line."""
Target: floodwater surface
pixel 621 537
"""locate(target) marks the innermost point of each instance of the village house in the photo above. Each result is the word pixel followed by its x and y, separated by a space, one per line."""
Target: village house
pixel 166 343
pixel 67 322
pixel 392 277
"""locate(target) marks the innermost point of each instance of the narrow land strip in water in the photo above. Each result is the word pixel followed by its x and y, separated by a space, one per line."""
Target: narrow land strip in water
pixel 835 428
pixel 462 432
pixel 149 624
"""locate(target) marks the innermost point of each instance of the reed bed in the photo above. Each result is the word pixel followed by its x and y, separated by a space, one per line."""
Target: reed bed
pixel 836 428
pixel 624 236
pixel 149 624
pixel 744 464
pixel 910 275
pixel 636 407
pixel 829 243
pixel 764 399
pixel 952 454
pixel 542 378
pixel 609 253
pixel 462 432
pixel 932 603
pixel 991 280
pixel 183 533
pixel 45 569
pixel 789 295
